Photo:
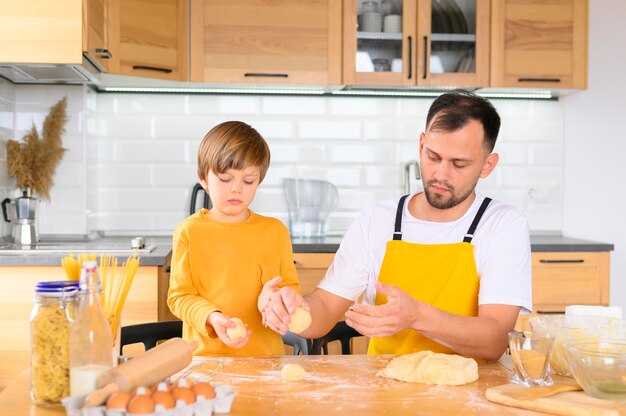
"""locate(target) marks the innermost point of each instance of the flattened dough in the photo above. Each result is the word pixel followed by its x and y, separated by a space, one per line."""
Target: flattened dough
pixel 238 331
pixel 431 368
pixel 292 372
pixel 300 320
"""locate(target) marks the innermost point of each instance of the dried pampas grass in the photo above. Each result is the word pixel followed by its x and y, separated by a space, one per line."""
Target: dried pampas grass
pixel 34 161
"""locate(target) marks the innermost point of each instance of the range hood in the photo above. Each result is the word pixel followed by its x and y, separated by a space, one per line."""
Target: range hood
pixel 51 73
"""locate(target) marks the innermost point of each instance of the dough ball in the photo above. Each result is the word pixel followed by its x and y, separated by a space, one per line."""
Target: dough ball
pixel 238 331
pixel 292 372
pixel 300 320
pixel 431 368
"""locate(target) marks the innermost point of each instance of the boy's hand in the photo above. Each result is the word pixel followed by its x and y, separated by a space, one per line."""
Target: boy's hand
pixel 220 322
pixel 264 298
pixel 282 303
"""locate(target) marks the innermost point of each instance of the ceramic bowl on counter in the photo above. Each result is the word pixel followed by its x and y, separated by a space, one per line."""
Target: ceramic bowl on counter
pixel 598 365
pixel 568 327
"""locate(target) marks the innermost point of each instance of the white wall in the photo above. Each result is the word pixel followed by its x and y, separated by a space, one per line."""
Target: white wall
pixel 7 121
pixel 594 190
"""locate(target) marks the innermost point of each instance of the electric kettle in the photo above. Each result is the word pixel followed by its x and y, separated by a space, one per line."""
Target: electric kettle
pixel 309 202
pixel 21 213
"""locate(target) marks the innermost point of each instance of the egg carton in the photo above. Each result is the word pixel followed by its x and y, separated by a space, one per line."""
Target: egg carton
pixel 224 396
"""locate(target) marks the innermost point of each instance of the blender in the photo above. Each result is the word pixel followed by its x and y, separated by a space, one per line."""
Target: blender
pixel 21 213
pixel 309 202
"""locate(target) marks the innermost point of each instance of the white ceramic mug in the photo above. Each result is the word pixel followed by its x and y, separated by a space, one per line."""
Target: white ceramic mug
pixel 372 22
pixel 392 23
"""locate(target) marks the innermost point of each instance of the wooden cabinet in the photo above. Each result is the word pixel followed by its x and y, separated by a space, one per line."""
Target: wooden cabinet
pixel 568 278
pixel 539 43
pixel 96 32
pixel 17 293
pixel 439 43
pixel 150 38
pixel 258 41
pixel 41 31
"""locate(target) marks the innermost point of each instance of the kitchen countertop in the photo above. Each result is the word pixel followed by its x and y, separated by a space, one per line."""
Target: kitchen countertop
pixel 163 245
pixel 335 384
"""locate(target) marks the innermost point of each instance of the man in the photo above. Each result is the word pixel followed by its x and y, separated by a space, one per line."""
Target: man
pixel 445 270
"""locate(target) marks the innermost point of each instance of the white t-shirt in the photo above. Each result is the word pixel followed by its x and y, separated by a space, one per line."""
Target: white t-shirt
pixel 501 251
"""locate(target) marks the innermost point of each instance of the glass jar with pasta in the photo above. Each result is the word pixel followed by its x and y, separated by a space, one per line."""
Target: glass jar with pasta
pixel 50 327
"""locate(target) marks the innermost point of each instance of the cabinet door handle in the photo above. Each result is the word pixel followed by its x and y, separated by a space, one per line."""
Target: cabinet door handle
pixel 562 261
pixel 425 56
pixel 550 313
pixel 152 68
pixel 539 80
pixel 259 74
pixel 105 54
pixel 410 60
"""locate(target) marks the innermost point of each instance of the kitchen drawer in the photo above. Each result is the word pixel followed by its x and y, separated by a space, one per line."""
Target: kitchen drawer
pixel 311 269
pixel 566 278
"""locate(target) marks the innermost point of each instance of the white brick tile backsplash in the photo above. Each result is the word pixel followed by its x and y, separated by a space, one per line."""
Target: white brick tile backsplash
pixel 298 153
pixel 121 126
pixel 370 153
pixel 173 175
pixel 329 130
pixel 273 129
pixel 349 176
pixel 132 167
pixel 391 129
pixel 119 175
pixel 362 107
pixel 184 127
pixel 306 106
pixel 150 151
pixel 238 105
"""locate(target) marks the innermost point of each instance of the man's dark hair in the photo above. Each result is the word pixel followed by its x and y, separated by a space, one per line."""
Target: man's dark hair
pixel 453 110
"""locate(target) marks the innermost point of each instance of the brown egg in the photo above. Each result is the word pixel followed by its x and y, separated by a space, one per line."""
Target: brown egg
pixel 203 389
pixel 163 399
pixel 118 400
pixel 140 405
pixel 185 394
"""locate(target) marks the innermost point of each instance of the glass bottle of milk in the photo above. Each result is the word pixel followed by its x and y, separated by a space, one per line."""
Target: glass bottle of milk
pixel 91 342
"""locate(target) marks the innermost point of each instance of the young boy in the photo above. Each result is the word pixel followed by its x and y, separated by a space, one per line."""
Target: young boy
pixel 222 257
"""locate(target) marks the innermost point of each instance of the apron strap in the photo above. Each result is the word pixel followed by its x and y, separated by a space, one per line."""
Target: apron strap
pixel 397 234
pixel 470 233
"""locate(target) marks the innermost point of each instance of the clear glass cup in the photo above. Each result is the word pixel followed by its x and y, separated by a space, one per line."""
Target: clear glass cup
pixel 531 358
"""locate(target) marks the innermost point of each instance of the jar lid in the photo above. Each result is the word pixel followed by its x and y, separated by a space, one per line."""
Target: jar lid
pixel 59 287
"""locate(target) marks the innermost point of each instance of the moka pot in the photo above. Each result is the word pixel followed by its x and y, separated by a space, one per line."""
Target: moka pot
pixel 21 213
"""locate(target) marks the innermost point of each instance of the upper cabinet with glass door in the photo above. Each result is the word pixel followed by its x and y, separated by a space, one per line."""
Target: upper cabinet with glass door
pixel 416 42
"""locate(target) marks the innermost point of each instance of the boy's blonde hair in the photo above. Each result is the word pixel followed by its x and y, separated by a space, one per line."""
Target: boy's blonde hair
pixel 232 145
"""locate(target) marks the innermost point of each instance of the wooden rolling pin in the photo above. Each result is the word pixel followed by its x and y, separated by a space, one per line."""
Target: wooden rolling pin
pixel 146 369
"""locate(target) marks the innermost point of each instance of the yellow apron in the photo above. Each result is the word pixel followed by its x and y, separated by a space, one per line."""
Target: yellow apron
pixel 442 275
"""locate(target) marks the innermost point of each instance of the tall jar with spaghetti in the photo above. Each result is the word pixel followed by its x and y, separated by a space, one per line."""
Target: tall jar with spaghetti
pixel 50 327
pixel 91 341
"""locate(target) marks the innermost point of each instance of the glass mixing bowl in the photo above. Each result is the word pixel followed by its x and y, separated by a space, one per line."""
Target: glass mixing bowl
pixel 566 327
pixel 598 365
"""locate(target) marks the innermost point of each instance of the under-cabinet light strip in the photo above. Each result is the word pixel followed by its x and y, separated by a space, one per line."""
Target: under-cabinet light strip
pixel 534 94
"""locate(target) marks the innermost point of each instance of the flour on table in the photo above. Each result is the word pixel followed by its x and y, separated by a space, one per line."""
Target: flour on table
pixel 292 372
pixel 431 368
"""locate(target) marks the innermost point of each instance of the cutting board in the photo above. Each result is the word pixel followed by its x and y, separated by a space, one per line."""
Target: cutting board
pixel 566 403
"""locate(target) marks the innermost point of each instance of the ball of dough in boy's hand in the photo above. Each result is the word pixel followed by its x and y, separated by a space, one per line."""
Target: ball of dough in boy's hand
pixel 300 320
pixel 238 331
pixel 292 372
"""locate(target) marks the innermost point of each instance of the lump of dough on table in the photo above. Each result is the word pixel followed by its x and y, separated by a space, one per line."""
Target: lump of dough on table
pixel 431 368
pixel 292 372
pixel 300 320
pixel 238 331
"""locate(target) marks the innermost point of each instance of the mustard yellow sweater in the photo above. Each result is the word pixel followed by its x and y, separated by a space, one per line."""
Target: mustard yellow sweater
pixel 223 266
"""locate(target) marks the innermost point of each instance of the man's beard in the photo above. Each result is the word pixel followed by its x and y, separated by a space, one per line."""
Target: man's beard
pixel 439 201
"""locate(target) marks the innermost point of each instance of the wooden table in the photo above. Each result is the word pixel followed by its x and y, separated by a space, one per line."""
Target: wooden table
pixel 334 384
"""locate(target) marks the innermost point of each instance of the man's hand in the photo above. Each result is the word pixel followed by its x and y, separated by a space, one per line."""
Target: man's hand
pixel 220 322
pixel 374 321
pixel 277 305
